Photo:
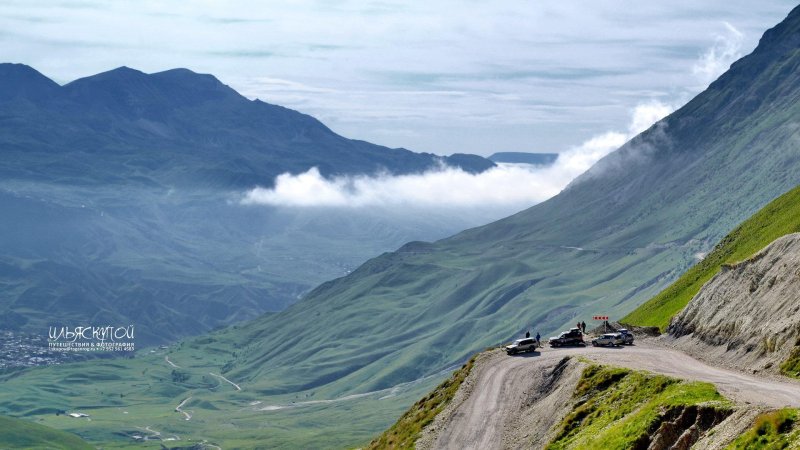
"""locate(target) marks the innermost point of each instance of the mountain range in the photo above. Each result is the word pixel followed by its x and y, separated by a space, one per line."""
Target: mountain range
pixel 121 193
pixel 173 128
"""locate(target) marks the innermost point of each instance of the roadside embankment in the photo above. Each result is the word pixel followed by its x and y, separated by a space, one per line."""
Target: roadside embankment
pixel 748 316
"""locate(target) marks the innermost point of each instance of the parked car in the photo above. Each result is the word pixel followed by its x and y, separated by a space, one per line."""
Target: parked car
pixel 613 339
pixel 571 337
pixel 627 336
pixel 521 345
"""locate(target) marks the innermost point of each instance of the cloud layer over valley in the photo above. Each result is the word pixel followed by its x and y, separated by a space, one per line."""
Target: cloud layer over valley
pixel 502 190
pixel 507 187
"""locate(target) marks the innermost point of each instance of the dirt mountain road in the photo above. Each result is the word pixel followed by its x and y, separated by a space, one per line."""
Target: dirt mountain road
pixel 486 415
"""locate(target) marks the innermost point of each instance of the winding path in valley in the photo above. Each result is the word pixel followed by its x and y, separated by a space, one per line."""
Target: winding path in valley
pixel 235 386
pixel 179 408
pixel 172 364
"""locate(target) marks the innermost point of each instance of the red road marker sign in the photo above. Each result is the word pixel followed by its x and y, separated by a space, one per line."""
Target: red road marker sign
pixel 600 317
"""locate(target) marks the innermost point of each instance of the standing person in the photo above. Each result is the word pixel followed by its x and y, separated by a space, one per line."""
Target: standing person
pixel 537 339
pixel 579 326
pixel 583 327
pixel 527 334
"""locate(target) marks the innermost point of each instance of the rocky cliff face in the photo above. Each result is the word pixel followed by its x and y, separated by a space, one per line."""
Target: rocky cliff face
pixel 748 316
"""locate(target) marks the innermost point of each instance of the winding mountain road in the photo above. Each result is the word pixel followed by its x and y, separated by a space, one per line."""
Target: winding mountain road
pixel 235 386
pixel 503 384
pixel 738 386
pixel 172 364
pixel 186 414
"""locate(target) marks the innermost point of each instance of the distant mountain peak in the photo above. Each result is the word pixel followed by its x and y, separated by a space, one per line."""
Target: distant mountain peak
pixel 120 73
pixel 189 79
pixel 125 69
pixel 20 80
pixel 181 72
pixel 134 93
pixel 125 74
pixel 8 68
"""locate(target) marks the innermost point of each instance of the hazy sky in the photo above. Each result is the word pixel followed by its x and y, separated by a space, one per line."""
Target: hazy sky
pixel 438 76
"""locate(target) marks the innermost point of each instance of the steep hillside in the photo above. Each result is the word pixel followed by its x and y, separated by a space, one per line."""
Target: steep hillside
pixel 747 315
pixel 779 218
pixel 613 238
pixel 120 197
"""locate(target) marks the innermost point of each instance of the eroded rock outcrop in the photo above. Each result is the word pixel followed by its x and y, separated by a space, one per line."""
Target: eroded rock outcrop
pixel 748 316
pixel 680 427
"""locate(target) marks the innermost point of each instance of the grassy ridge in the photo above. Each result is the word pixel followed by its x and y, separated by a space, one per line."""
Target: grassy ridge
pixel 779 218
pixel 16 433
pixel 618 406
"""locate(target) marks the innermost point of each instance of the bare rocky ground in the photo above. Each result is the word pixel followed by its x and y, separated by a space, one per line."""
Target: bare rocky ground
pixel 748 316
pixel 731 428
pixel 506 402
pixel 512 402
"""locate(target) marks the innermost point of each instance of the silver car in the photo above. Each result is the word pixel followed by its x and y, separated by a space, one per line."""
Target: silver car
pixel 521 345
pixel 608 339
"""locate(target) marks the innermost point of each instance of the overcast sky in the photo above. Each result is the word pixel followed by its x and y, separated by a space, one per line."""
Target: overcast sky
pixel 437 76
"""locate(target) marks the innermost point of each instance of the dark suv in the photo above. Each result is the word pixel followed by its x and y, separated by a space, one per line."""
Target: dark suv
pixel 627 336
pixel 571 337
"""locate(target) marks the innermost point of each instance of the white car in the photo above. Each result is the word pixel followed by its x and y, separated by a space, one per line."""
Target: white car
pixel 521 345
pixel 608 339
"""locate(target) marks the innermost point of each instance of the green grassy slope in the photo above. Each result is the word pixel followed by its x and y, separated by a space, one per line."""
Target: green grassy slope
pixel 23 434
pixel 779 218
pixel 622 406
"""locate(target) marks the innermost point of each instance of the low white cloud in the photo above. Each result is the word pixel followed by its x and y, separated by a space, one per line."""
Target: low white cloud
pixel 716 60
pixel 646 114
pixel 509 185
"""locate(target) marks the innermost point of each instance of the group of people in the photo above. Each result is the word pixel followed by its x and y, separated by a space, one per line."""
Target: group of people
pixel 528 334
pixel 580 325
